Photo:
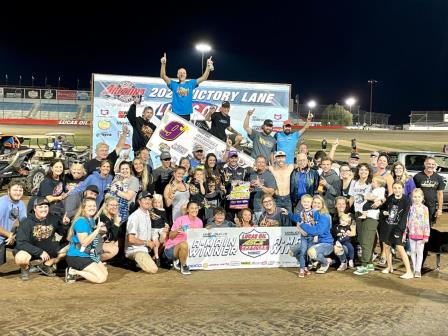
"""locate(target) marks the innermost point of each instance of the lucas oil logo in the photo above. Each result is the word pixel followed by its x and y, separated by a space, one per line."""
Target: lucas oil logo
pixel 254 243
pixel 173 130
pixel 125 91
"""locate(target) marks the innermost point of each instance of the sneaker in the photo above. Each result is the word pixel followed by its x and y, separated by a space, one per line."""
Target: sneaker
pixel 361 271
pixel 47 270
pixel 382 261
pixel 301 273
pixel 387 271
pixel 176 264
pixel 33 269
pixel 70 277
pixel 307 271
pixel 185 270
pixel 407 276
pixel 370 267
pixel 157 262
pixel 342 267
pixel 374 256
pixel 24 274
pixel 417 275
pixel 323 269
pixel 351 264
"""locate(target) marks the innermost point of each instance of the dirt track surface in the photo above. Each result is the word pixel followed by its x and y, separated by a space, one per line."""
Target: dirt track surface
pixel 227 302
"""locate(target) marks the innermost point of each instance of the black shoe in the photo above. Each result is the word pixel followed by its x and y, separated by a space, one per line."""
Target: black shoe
pixel 24 274
pixel 157 261
pixel 185 270
pixel 33 269
pixel 47 270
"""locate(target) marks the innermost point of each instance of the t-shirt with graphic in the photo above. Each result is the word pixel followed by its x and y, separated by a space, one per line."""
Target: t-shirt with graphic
pixel 359 191
pixel 51 187
pixel 220 122
pixel 287 143
pixel 429 185
pixel 263 145
pixel 182 103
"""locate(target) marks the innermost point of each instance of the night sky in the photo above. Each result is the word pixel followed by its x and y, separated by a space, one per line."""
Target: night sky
pixel 327 50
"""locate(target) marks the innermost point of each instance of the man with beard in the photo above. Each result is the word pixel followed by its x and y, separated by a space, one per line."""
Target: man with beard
pixel 198 156
pixel 432 185
pixel 264 142
pixel 262 183
pixel 12 209
pixel 282 174
pixel 329 184
pixel 142 126
pixel 36 240
pixel 182 103
pixel 304 180
pixel 288 142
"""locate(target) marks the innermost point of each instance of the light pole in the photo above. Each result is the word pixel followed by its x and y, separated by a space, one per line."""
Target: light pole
pixel 311 104
pixel 371 82
pixel 203 48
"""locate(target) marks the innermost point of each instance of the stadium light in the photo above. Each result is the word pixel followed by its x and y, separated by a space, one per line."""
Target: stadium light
pixel 350 102
pixel 311 104
pixel 203 48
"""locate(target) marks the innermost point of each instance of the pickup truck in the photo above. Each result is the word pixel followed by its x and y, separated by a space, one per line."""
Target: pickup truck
pixel 414 163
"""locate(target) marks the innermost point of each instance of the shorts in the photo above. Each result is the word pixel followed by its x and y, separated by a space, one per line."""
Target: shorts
pixel 78 263
pixel 169 253
pixel 156 233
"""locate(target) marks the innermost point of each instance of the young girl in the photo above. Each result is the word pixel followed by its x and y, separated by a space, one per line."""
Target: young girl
pixel 393 226
pixel 343 247
pixel 417 227
pixel 378 192
pixel 159 223
pixel 197 190
pixel 214 198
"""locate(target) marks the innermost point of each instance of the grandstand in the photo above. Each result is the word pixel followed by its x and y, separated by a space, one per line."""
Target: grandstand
pixel 429 118
pixel 50 104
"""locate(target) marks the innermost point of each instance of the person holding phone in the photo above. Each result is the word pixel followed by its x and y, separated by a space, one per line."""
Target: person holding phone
pixel 83 257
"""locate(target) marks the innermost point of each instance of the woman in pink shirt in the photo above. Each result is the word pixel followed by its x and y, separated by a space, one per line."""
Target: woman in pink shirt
pixel 176 248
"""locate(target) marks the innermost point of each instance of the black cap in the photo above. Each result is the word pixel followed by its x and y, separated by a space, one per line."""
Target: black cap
pixel 354 155
pixel 93 188
pixel 225 103
pixel 144 194
pixel 268 122
pixel 40 201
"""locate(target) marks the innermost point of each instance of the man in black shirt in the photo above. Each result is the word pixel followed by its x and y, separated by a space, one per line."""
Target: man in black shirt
pixel 162 174
pixel 221 122
pixel 432 185
pixel 102 150
pixel 142 126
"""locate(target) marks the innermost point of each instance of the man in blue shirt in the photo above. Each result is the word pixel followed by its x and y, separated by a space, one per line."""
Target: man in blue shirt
pixel 182 103
pixel 12 210
pixel 287 141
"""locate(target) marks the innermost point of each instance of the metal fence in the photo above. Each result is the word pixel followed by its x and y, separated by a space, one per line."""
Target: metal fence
pixel 429 118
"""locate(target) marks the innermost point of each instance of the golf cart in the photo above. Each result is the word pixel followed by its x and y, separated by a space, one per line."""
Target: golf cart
pixel 16 163
pixel 65 144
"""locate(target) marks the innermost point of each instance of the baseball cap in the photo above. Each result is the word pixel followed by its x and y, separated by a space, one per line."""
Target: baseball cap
pixel 93 188
pixel 280 153
pixel 165 155
pixel 268 122
pixel 144 194
pixel 40 201
pixel 377 154
pixel 233 153
pixel 197 148
pixel 354 156
pixel 225 103
pixel 288 122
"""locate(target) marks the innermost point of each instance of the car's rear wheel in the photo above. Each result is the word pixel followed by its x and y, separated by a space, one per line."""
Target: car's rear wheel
pixel 33 180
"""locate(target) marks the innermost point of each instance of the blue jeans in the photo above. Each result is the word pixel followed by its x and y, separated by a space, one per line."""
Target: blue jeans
pixel 322 250
pixel 283 202
pixel 349 251
pixel 299 250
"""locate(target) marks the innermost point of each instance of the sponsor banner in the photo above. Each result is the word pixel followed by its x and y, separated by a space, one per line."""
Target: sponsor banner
pixel 445 117
pixel 83 95
pixel 1 92
pixel 66 94
pixel 48 94
pixel 32 94
pixel 114 94
pixel 13 93
pixel 257 247
pixel 178 136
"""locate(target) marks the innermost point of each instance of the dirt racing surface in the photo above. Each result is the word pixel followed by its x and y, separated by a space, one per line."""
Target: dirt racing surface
pixel 227 302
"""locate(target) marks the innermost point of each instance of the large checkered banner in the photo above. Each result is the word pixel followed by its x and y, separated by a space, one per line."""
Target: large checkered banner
pixel 113 94
pixel 253 247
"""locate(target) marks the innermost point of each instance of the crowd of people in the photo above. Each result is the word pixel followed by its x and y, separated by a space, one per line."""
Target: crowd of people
pixel 113 210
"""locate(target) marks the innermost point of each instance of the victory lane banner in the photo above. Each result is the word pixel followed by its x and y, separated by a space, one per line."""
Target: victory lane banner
pixel 254 247
pixel 178 136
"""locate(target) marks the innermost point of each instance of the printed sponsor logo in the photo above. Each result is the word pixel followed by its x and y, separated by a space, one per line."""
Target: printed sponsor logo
pixel 122 114
pixel 254 243
pixel 75 122
pixel 125 91
pixel 277 116
pixel 103 134
pixel 195 266
pixel 104 112
pixel 235 263
pixel 173 130
pixel 33 94
pixel 66 95
pixel 48 94
pixel 245 263
pixel 104 124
